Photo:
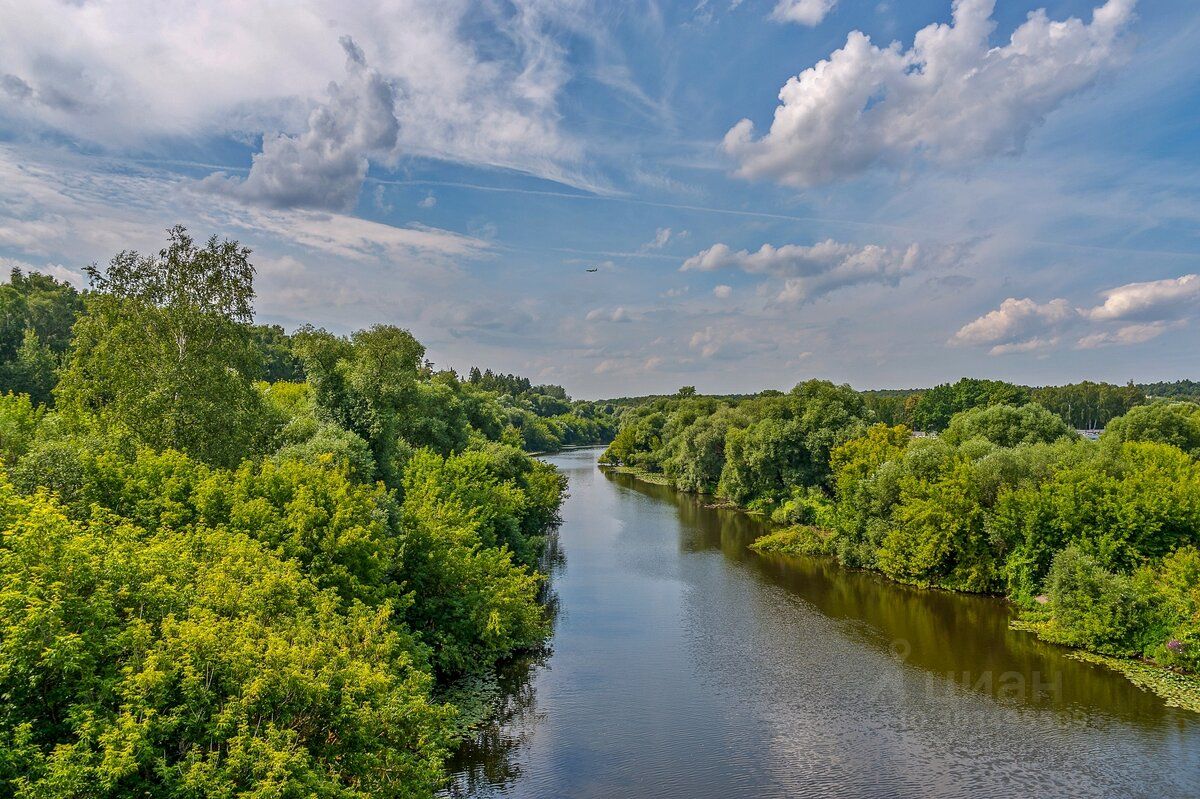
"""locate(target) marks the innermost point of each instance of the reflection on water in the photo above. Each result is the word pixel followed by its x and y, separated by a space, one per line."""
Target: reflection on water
pixel 488 760
pixel 684 664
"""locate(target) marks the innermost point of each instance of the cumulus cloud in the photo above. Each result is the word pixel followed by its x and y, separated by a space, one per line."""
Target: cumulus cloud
pixel 810 271
pixel 324 166
pixel 480 82
pixel 1018 326
pixel 56 271
pixel 952 98
pixel 723 292
pixel 1130 314
pixel 803 12
pixel 1154 300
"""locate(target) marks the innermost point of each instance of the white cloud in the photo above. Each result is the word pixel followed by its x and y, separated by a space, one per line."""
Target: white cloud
pixel 723 342
pixel 1145 311
pixel 723 292
pixel 1157 299
pixel 347 236
pixel 952 98
pixel 476 83
pixel 1124 336
pixel 661 237
pixel 56 271
pixel 428 201
pixel 1018 326
pixel 60 209
pixel 618 314
pixel 1029 345
pixel 811 271
pixel 803 12
pixel 324 166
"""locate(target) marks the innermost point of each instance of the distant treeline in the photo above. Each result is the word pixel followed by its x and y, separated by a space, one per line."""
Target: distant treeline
pixel 1096 541
pixel 1083 406
pixel 1179 389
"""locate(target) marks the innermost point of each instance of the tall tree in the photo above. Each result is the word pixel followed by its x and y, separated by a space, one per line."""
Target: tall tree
pixel 164 349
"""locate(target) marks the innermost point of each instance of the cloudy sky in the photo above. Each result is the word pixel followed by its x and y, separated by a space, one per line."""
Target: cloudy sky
pixel 887 193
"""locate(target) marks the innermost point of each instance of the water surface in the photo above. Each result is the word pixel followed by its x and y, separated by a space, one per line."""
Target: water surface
pixel 684 665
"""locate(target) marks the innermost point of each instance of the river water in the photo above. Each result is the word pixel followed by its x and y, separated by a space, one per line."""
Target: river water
pixel 683 664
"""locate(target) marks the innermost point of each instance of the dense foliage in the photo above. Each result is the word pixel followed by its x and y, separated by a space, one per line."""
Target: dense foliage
pixel 36 315
pixel 755 451
pixel 1083 406
pixel 1095 540
pixel 213 586
pixel 1178 389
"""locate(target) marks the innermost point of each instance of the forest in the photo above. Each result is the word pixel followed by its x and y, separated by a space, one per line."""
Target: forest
pixel 238 562
pixel 1094 541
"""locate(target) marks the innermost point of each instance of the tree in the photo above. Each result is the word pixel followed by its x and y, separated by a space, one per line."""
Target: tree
pixel 1006 426
pixel 33 369
pixel 372 384
pixel 934 408
pixel 280 361
pixel 164 350
pixel 1087 405
pixel 36 315
pixel 476 604
pixel 1175 423
pixel 789 444
pixel 39 303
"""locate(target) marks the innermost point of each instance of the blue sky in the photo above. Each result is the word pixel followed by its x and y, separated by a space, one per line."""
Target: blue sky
pixel 886 193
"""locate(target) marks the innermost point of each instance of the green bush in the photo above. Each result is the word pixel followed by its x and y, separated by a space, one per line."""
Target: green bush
pixel 1174 423
pixel 168 663
pixel 1007 426
pixel 1114 614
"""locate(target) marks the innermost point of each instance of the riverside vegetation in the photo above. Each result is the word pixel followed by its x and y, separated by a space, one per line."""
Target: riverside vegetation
pixel 236 562
pixel 1094 541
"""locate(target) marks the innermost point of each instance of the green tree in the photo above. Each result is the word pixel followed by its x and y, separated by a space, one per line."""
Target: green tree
pixel 163 349
pixel 39 303
pixel 933 409
pixel 1087 405
pixel 1116 614
pixel 1007 426
pixel 279 359
pixel 1175 423
pixel 33 369
pixel 790 444
pixel 475 603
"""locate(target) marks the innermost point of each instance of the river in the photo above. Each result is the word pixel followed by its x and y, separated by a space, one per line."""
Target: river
pixel 684 665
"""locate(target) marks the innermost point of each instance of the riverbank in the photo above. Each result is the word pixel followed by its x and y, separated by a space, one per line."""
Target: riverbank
pixel 1175 688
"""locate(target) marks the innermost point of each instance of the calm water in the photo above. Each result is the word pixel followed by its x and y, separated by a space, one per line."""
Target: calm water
pixel 684 665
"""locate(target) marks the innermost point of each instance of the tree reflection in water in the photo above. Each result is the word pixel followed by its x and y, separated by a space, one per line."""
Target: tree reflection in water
pixel 487 760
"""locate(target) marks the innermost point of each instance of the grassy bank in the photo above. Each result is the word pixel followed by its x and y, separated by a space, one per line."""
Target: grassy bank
pixel 641 474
